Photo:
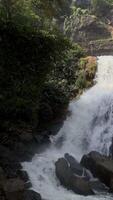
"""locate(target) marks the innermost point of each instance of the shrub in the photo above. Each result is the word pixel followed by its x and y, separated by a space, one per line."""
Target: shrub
pixel 26 57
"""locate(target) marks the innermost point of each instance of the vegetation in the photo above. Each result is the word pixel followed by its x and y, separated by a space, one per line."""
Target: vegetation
pixel 40 69
pixel 96 7
pixel 101 7
pixel 37 63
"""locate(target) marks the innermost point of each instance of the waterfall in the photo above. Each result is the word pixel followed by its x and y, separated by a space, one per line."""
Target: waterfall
pixel 89 127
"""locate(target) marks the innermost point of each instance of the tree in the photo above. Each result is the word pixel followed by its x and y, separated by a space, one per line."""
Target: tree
pixel 19 12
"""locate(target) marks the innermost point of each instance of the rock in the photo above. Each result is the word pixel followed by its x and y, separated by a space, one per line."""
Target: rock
pixel 2 175
pixel 68 179
pixel 23 175
pixel 81 186
pixel 63 172
pixel 77 168
pixel 98 187
pixel 9 162
pixel 2 195
pixel 100 166
pixel 31 195
pixel 12 185
pixel 13 189
pixel 74 165
pixel 26 136
pixel 111 150
pixel 22 151
pixel 111 185
pixel 42 139
pixel 85 28
pixel 28 185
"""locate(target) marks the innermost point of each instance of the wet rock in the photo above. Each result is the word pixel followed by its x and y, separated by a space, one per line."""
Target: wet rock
pixel 74 165
pixel 28 185
pixel 98 187
pixel 68 179
pixel 31 195
pixel 77 168
pixel 43 138
pixel 23 175
pixel 111 150
pixel 100 166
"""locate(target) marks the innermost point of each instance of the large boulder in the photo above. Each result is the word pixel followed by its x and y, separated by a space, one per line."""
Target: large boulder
pixel 74 165
pixel 100 166
pixel 77 168
pixel 69 179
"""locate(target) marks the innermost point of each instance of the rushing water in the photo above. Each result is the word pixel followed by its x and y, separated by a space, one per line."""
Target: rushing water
pixel 90 127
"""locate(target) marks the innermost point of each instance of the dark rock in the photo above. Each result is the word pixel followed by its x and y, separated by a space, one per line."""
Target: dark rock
pixel 28 185
pixel 100 166
pixel 111 150
pixel 2 175
pixel 13 189
pixel 98 187
pixel 23 175
pixel 12 185
pixel 9 162
pixel 111 185
pixel 22 151
pixel 68 179
pixel 26 136
pixel 74 165
pixel 31 195
pixel 87 174
pixel 77 167
pixel 2 195
pixel 63 172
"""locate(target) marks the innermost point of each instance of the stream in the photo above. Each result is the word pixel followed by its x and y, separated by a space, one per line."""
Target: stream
pixel 89 127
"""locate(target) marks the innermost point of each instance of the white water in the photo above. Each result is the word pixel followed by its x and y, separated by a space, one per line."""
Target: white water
pixel 90 127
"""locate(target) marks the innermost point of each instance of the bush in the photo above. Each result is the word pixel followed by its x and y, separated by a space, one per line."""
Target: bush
pixel 64 72
pixel 26 57
pixel 53 103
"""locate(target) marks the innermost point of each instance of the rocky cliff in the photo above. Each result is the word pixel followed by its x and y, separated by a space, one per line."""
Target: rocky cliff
pixel 94 33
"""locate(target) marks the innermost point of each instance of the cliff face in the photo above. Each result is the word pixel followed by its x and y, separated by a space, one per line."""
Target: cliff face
pixel 85 28
pixel 100 47
pixel 93 33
